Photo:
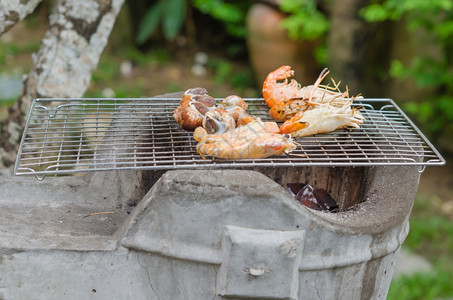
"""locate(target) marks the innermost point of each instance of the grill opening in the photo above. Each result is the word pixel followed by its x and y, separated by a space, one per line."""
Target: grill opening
pixel 65 136
pixel 346 185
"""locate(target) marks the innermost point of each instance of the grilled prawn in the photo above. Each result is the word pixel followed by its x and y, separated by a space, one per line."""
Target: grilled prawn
pixel 286 98
pixel 321 119
pixel 276 88
pixel 244 118
pixel 254 140
pixel 255 126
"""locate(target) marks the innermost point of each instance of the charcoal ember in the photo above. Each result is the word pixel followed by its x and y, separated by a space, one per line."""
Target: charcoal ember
pixel 317 199
pixel 307 198
pixel 325 200
pixel 294 188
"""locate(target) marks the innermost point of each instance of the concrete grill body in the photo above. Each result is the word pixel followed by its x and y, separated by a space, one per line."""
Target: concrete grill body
pixel 206 234
pixel 160 222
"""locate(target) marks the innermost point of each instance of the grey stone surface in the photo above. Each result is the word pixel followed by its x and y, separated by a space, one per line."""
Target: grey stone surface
pixel 197 234
pixel 56 274
pixel 66 213
pixel 410 263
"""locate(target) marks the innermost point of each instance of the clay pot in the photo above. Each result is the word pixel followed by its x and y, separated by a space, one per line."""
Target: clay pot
pixel 270 47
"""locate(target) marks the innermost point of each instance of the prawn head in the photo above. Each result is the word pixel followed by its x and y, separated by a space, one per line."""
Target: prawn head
pixel 288 110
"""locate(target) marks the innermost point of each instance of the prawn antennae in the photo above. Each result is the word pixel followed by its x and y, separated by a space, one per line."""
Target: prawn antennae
pixel 298 144
pixel 336 85
pixel 296 154
pixel 317 83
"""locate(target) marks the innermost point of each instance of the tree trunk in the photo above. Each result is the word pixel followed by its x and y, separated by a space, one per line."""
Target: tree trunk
pixel 12 12
pixel 347 42
pixel 70 51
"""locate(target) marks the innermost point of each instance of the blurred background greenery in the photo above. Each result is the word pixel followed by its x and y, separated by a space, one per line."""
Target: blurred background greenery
pixel 400 49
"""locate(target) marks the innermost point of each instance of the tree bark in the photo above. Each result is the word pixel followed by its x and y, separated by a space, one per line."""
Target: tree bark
pixel 347 42
pixel 69 52
pixel 14 11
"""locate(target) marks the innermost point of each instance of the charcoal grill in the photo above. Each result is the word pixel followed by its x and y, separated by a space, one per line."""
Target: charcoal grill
pixel 64 136
pixel 227 233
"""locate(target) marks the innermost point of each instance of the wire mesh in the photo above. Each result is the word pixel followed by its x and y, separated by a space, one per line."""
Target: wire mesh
pixel 64 136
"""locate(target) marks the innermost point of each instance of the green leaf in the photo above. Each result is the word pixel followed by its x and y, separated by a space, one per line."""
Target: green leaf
pixel 445 103
pixel 435 284
pixel 426 110
pixel 150 22
pixel 374 13
pixel 231 15
pixel 305 25
pixel 411 107
pixel 445 29
pixel 220 10
pixel 174 14
pixel 292 6
pixel 321 54
pixel 398 70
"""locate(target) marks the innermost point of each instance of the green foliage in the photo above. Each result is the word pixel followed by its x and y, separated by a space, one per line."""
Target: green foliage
pixel 433 228
pixel 155 55
pixel 377 13
pixel 170 14
pixel 231 14
pixel 120 91
pixel 321 53
pixel 434 232
pixel 430 232
pixel 435 284
pixel 395 9
pixel 435 19
pixel 173 87
pixel 127 92
pixel 305 21
pixel 224 72
pixel 430 235
pixel 8 50
pixel 242 79
pixel 107 70
pixel 13 49
pixel 7 102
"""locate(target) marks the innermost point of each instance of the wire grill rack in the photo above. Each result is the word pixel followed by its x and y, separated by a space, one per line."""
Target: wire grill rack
pixel 64 136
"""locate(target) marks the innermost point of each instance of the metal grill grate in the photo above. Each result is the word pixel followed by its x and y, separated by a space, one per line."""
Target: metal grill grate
pixel 64 136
